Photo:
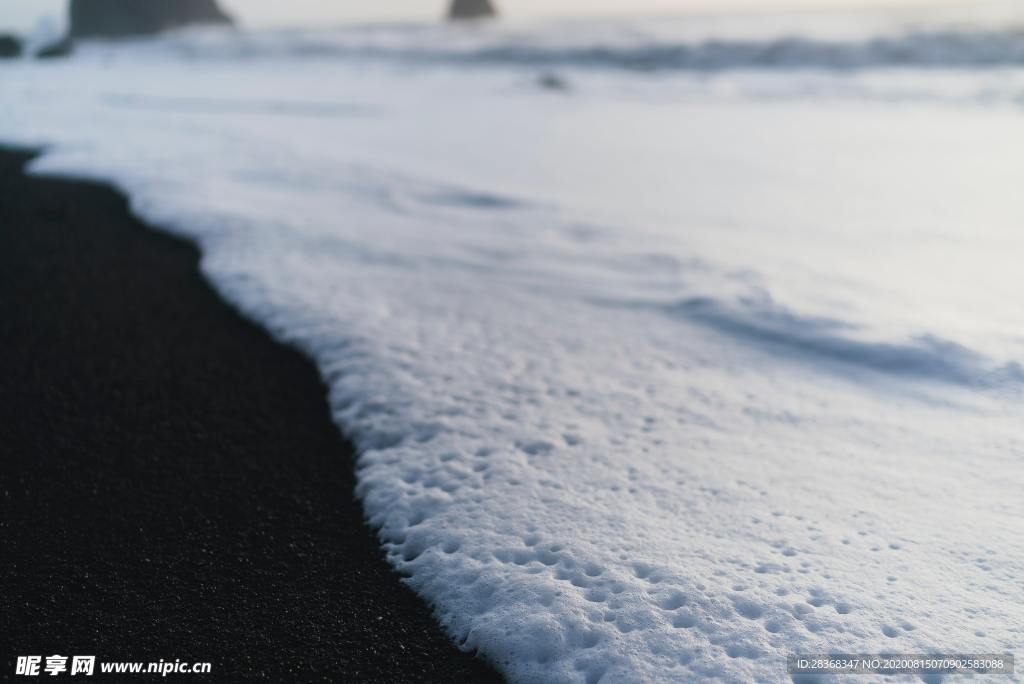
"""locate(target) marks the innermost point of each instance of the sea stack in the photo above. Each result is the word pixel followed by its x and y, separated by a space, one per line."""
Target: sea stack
pixel 10 46
pixel 471 9
pixel 119 19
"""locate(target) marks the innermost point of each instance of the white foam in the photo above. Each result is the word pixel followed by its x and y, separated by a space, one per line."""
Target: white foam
pixel 625 364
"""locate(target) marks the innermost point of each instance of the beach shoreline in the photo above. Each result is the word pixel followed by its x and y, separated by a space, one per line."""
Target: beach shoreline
pixel 173 486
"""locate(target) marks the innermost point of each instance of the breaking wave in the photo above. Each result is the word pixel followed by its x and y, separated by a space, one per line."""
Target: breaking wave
pixel 922 50
pixel 938 49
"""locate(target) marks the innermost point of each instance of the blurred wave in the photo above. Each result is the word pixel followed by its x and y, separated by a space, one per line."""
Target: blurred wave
pixel 624 50
pixel 926 356
pixel 944 50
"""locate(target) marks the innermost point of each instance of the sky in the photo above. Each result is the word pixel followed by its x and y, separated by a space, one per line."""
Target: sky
pixel 22 15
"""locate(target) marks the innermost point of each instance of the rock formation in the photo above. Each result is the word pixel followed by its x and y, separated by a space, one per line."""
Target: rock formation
pixel 61 48
pixel 120 18
pixel 10 46
pixel 471 9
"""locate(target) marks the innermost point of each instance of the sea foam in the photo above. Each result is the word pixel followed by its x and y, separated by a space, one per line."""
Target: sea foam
pixel 652 380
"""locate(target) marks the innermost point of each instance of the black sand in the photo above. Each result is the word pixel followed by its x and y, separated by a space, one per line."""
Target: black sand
pixel 171 485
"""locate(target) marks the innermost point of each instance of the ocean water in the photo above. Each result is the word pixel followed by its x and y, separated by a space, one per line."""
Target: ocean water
pixel 671 346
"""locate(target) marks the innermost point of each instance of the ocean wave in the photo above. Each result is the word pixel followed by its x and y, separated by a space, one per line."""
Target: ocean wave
pixel 920 50
pixel 925 356
pixel 931 49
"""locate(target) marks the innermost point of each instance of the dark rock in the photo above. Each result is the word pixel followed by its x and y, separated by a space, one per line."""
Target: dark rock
pixel 552 81
pixel 61 48
pixel 471 9
pixel 119 18
pixel 10 46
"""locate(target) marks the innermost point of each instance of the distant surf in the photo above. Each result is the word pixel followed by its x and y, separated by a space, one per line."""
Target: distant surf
pixel 927 50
